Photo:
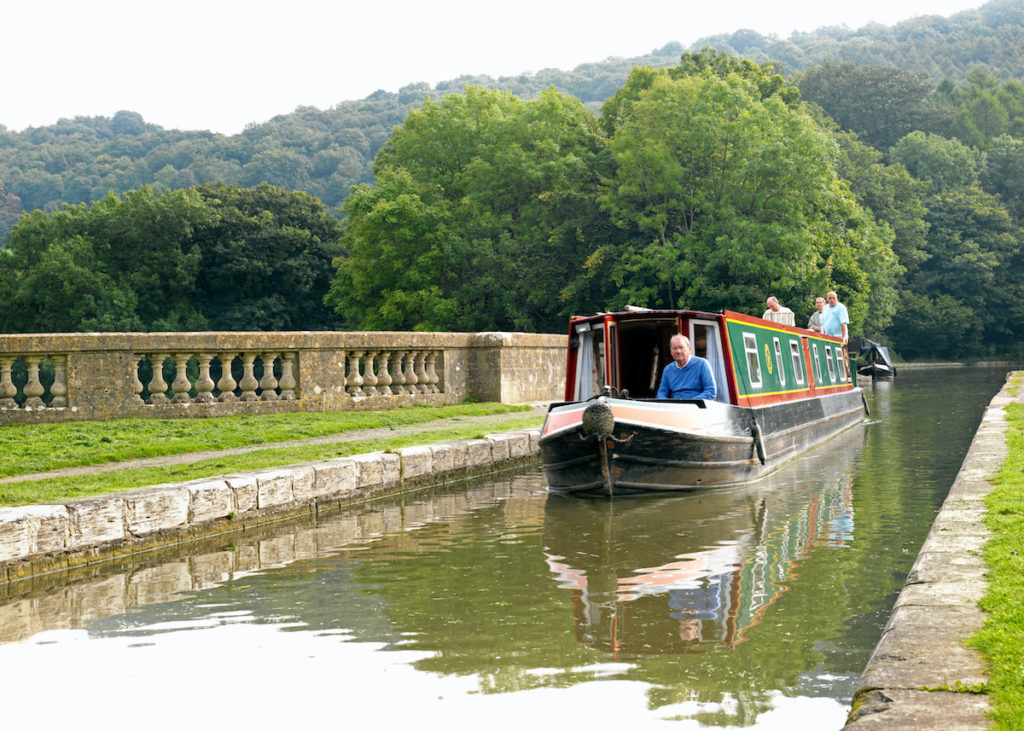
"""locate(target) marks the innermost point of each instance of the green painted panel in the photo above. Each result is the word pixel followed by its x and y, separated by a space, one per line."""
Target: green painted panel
pixel 776 368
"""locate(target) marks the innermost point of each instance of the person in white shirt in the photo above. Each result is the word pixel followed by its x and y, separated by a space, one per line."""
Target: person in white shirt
pixel 778 313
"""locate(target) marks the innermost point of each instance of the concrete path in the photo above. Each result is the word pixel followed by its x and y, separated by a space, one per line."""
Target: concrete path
pixel 922 658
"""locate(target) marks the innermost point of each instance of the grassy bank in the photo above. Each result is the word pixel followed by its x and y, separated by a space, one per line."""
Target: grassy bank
pixel 28 449
pixel 1001 639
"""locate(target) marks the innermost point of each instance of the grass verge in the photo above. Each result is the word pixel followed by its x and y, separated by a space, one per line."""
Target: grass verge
pixel 29 448
pixel 58 489
pixel 1001 638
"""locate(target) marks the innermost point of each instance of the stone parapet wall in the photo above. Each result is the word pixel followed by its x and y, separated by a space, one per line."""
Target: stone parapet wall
pixel 36 539
pixel 93 376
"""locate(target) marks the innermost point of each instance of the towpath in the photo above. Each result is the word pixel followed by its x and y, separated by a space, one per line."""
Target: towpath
pixel 349 436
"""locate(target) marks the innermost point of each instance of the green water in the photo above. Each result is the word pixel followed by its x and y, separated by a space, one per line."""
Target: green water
pixel 493 604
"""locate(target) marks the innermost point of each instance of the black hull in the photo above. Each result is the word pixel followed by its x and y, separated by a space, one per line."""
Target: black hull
pixel 645 458
pixel 877 371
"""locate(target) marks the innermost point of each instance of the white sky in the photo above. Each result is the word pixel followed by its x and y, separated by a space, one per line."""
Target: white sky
pixel 222 64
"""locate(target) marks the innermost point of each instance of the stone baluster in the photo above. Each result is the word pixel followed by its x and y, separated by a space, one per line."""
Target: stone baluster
pixel 226 384
pixel 355 380
pixel 204 384
pixel 411 379
pixel 370 376
pixel 33 387
pixel 137 386
pixel 421 374
pixel 432 377
pixel 288 382
pixel 181 385
pixel 7 388
pixel 248 384
pixel 59 388
pixel 397 376
pixel 157 386
pixel 384 376
pixel 268 383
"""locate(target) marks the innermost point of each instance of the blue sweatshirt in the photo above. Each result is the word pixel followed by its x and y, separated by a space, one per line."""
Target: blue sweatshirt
pixel 694 380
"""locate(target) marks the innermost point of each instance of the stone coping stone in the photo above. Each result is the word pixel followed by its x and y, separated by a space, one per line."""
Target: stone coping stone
pixel 891 710
pixel 125 521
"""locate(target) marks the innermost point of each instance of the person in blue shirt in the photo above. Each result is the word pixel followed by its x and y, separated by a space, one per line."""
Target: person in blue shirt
pixel 688 375
pixel 834 318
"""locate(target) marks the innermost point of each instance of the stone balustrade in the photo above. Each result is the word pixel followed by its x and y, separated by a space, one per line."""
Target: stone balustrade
pixel 88 376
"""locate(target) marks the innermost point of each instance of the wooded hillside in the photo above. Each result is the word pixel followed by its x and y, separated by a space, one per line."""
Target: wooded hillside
pixel 558 193
pixel 324 152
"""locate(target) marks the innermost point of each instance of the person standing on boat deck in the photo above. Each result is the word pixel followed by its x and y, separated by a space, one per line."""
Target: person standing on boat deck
pixel 814 322
pixel 688 375
pixel 835 320
pixel 778 313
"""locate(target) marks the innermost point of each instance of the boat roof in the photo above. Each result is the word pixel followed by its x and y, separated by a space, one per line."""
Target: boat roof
pixel 641 312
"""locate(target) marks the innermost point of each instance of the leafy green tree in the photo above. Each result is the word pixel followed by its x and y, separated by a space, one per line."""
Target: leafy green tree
pixel 982 109
pixel 483 209
pixel 890 192
pixel 1004 173
pixel 397 237
pixel 934 326
pixel 946 164
pixel 880 104
pixel 265 259
pixel 146 241
pixel 728 196
pixel 974 273
pixel 708 62
pixel 216 256
pixel 122 263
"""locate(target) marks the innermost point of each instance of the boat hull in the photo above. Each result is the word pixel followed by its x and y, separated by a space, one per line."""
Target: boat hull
pixel 877 370
pixel 679 446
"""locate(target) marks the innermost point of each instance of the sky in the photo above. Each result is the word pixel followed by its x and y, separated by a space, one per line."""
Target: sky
pixel 220 65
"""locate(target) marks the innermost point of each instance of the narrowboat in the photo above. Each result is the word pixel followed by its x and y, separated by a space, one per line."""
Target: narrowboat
pixel 876 361
pixel 780 390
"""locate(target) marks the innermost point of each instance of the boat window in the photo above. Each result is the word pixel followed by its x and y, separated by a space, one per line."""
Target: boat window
pixel 589 364
pixel 831 368
pixel 753 362
pixel 613 358
pixel 707 344
pixel 840 364
pixel 798 364
pixel 778 362
pixel 817 362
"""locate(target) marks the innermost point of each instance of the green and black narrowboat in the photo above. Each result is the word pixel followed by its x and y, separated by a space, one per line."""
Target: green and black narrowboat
pixel 780 391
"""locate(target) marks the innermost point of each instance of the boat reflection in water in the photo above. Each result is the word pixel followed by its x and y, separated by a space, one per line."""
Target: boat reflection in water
pixel 693 572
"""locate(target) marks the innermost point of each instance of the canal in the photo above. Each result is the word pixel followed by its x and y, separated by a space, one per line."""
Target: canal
pixel 492 603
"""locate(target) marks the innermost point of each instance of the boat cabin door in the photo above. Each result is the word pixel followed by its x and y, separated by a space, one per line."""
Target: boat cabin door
pixel 706 341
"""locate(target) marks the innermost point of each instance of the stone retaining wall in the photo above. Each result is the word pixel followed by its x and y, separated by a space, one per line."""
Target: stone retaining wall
pixel 72 599
pixel 39 538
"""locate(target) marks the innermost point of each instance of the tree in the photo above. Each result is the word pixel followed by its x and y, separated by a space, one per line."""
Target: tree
pixel 880 104
pixel 708 62
pixel 484 207
pixel 215 256
pixel 975 271
pixel 890 193
pixel 265 259
pixel 946 164
pixel 1004 173
pixel 728 196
